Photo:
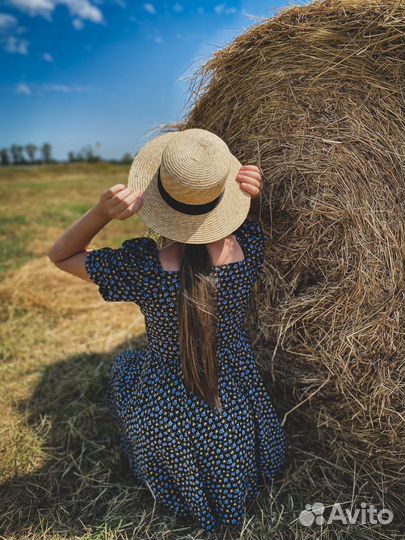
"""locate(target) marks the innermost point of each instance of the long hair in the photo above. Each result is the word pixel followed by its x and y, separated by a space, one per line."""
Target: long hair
pixel 197 313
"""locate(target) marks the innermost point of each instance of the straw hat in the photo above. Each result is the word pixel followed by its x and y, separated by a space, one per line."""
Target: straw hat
pixel 189 186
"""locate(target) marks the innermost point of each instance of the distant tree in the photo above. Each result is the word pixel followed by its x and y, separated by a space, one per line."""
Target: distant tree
pixel 46 151
pixel 127 158
pixel 21 158
pixel 31 151
pixel 17 154
pixel 14 153
pixel 88 154
pixel 4 156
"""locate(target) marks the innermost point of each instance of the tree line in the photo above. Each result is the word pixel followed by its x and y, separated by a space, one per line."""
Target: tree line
pixel 31 154
pixel 18 154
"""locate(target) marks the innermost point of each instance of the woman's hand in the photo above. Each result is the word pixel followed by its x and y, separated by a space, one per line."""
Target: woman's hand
pixel 250 180
pixel 70 250
pixel 119 202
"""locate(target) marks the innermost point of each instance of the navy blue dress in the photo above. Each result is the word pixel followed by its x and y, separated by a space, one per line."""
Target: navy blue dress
pixel 197 462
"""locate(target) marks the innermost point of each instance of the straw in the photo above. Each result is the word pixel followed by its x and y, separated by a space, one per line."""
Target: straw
pixel 313 96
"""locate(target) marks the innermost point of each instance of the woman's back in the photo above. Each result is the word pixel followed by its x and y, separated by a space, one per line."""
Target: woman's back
pixel 196 460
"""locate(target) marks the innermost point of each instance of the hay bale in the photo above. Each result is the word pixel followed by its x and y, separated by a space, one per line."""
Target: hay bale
pixel 314 97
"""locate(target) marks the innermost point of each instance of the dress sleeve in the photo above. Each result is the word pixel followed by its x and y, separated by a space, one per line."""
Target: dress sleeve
pixel 122 274
pixel 253 238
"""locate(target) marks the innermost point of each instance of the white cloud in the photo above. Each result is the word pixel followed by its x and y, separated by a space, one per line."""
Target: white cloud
pixel 150 8
pixel 79 8
pixel 15 45
pixel 221 8
pixel 78 23
pixel 23 89
pixel 7 21
pixel 85 10
pixel 63 88
pixel 35 7
pixel 27 89
pixel 10 42
pixel 47 57
pixel 178 8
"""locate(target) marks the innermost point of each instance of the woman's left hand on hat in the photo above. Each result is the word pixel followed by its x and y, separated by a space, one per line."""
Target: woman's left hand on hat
pixel 250 180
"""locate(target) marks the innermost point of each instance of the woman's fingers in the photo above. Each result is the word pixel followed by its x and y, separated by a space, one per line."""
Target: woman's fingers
pixel 131 210
pixel 121 201
pixel 107 195
pixel 251 167
pixel 246 180
pixel 121 196
pixel 250 179
pixel 251 170
pixel 253 190
pixel 129 206
pixel 250 173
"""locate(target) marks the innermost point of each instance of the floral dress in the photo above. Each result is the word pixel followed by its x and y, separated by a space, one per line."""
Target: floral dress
pixel 196 461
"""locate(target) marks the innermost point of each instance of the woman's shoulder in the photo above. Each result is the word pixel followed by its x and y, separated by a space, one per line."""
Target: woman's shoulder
pixel 252 237
pixel 142 250
pixel 250 228
pixel 123 273
pixel 131 254
pixel 139 243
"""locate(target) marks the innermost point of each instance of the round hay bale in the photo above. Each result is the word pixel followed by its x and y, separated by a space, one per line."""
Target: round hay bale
pixel 314 97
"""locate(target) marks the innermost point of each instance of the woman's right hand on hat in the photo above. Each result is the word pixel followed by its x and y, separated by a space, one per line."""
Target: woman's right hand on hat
pixel 250 179
pixel 119 202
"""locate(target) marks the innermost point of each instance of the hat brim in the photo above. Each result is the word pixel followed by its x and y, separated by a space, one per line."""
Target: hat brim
pixel 224 219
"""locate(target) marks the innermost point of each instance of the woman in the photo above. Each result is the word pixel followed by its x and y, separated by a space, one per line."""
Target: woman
pixel 196 422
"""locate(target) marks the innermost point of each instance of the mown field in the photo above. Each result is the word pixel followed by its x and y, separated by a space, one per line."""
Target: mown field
pixel 61 473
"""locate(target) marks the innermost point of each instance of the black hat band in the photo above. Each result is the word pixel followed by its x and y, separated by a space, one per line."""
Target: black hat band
pixel 185 208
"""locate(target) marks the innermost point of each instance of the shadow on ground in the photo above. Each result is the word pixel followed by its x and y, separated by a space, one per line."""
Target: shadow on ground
pixel 84 487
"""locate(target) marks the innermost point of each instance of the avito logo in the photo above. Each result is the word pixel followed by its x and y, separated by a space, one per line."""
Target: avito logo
pixel 367 513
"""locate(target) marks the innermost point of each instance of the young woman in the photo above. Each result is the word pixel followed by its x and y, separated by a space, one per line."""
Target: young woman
pixel 197 425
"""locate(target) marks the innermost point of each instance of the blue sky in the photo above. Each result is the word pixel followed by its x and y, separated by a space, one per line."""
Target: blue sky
pixel 78 72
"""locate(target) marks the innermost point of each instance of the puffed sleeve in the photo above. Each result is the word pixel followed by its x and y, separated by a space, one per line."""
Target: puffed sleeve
pixel 122 274
pixel 253 238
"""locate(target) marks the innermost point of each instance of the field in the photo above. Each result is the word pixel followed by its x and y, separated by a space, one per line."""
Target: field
pixel 61 473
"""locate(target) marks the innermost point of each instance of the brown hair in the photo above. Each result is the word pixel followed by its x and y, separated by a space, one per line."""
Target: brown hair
pixel 197 312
